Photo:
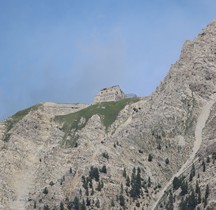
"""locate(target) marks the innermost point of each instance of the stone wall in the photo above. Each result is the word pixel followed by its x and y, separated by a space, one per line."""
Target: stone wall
pixel 62 109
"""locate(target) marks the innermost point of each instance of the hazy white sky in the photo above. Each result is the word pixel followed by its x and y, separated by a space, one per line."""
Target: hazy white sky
pixel 65 51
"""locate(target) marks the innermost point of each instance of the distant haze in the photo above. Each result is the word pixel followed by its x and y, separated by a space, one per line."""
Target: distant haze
pixel 65 51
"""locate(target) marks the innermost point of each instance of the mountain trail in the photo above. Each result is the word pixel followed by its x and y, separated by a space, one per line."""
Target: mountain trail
pixel 201 121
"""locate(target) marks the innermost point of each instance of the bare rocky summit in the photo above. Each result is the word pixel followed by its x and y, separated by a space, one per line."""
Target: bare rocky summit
pixel 156 152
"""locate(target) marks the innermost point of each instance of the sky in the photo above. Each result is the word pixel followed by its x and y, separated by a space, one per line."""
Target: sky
pixel 66 51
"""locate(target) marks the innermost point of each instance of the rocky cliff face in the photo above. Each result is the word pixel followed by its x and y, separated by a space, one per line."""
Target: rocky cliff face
pixel 122 154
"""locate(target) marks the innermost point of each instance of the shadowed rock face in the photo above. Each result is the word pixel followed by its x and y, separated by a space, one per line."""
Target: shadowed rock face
pixel 155 134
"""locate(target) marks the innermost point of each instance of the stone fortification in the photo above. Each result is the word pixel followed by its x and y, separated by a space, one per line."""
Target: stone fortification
pixel 62 109
pixel 113 93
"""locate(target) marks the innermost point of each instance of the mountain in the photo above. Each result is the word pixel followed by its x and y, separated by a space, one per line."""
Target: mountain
pixel 155 152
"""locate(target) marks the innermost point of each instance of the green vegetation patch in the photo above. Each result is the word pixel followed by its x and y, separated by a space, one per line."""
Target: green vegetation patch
pixel 108 112
pixel 11 122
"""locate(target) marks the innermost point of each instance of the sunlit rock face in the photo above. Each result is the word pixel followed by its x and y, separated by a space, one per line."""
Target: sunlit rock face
pixel 121 154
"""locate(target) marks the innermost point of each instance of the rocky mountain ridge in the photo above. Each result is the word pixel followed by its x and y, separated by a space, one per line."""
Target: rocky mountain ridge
pixel 119 155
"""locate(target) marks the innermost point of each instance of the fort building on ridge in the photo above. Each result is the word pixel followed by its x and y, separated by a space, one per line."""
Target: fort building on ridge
pixel 113 93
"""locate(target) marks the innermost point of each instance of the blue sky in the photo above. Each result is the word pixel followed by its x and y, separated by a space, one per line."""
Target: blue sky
pixel 65 51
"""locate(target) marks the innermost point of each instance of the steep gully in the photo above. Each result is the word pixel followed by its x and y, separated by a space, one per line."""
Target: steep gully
pixel 201 121
pixel 25 180
pixel 25 177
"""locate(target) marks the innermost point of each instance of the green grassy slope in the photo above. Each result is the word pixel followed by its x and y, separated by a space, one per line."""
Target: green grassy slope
pixel 108 112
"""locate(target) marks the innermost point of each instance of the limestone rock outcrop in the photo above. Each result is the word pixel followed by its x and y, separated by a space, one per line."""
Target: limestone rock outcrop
pixel 118 154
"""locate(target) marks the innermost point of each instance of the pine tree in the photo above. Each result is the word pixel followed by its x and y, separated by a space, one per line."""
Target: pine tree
pixel 76 203
pixel 199 197
pixel 61 206
pixel 135 183
pixel 102 184
pixel 208 160
pixel 207 191
pixel 149 181
pixel 205 202
pixel 133 176
pixel 133 180
pixel 83 206
pixel 184 188
pixel 88 202
pixel 84 182
pixel 169 205
pixel 192 202
pixel 122 189
pixel 137 204
pixel 97 204
pixel 214 155
pixel 103 169
pixel 80 192
pixel 99 186
pixel 90 183
pixel 198 192
pixel 94 173
pixel 45 191
pixel 189 203
pixel 121 200
pixel 182 204
pixel 192 173
pixel 112 203
pixel 138 180
pixel 150 157
pixel 46 207
pixel 197 187
pixel 176 183
pixel 159 147
pixel 35 205
pixel 92 191
pixel 128 181
pixel 124 173
pixel 87 191
pixel 167 161
pixel 204 167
